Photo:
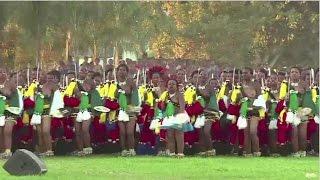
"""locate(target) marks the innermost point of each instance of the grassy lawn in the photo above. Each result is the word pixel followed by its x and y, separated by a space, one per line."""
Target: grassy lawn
pixel 144 167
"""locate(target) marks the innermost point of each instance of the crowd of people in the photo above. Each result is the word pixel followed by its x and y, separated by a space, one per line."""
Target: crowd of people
pixel 165 108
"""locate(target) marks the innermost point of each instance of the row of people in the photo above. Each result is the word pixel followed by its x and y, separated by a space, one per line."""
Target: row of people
pixel 159 112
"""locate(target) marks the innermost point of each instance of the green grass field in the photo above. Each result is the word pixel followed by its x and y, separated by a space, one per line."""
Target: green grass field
pixel 144 167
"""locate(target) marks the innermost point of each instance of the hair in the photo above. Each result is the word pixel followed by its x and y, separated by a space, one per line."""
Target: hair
pixel 55 73
pixel 196 72
pixel 89 82
pixel 281 73
pixel 250 69
pixel 123 65
pixel 238 71
pixel 264 71
pixel 296 67
pixel 172 78
pixel 96 74
pixel 70 72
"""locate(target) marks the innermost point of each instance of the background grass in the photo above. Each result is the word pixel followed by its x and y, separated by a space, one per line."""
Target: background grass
pixel 144 167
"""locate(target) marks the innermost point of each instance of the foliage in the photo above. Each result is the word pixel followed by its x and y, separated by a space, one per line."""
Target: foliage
pixel 243 33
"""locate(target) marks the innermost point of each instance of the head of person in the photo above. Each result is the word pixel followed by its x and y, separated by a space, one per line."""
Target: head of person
pixel 172 85
pixel 97 79
pixel 87 85
pixel 228 74
pixel 155 75
pixel 83 72
pixel 262 74
pixel 3 74
pixel 181 75
pixel 213 83
pixel 247 73
pixel 90 75
pixel 198 77
pixel 272 80
pixel 53 77
pixel 122 70
pixel 295 73
pixel 281 76
pixel 305 74
pixel 96 61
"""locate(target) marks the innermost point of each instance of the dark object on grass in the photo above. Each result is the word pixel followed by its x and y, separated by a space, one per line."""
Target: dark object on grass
pixel 24 162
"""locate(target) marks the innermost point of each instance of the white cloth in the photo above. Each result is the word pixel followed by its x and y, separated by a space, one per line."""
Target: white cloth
pixel 123 116
pixel 2 121
pixel 200 122
pixel 242 122
pixel 290 117
pixel 83 116
pixel 317 119
pixel 167 122
pixel 137 128
pixel 20 96
pixel 57 103
pixel 273 124
pixel 154 124
pixel 35 119
pixel 231 117
pixel 182 118
pixel 260 102
pixel 296 120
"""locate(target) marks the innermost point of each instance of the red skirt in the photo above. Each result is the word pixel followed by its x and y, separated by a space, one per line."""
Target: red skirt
pixel 113 132
pixel 71 102
pixel 28 103
pixel 56 124
pixel 312 128
pixel 216 131
pixel 98 131
pixel 22 132
pixel 283 132
pixel 263 131
pixel 191 137
pixel 67 124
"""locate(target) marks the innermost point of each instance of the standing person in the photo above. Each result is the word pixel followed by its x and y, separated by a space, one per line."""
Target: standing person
pixel 298 147
pixel 43 127
pixel 83 120
pixel 149 93
pixel 205 140
pixel 71 99
pixel 126 124
pixel 250 90
pixel 172 105
pixel 195 107
pixel 8 94
pixel 273 84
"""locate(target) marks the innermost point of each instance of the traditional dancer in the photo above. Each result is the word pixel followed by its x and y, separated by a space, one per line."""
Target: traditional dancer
pixel 176 120
pixel 10 109
pixel 126 124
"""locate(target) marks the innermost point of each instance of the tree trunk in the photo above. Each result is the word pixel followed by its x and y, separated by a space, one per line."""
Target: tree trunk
pixel 67 45
pixel 116 55
pixel 94 50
